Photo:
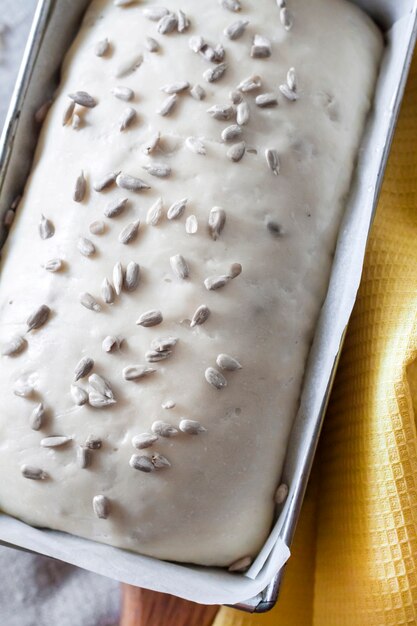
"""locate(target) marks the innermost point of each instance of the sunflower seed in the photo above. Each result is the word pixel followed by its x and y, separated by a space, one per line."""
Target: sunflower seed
pixel 215 379
pixel 177 87
pixel 169 404
pixel 236 152
pixel 163 429
pixel 191 225
pixel 241 565
pixel 216 282
pixel 125 181
pixel 221 111
pixel 250 84
pixel 132 276
pixel 219 53
pixel 281 3
pixel 38 318
pixel 129 66
pixel 100 385
pixel 266 100
pixel 261 47
pixel 281 494
pixel 242 114
pixel 208 53
pixel 33 473
pixel 228 363
pixel 98 401
pixel 106 181
pixel 76 121
pixel 101 506
pixel 288 93
pixel 127 118
pixel 83 368
pixel 167 24
pixel 191 427
pixel 236 30
pixel 196 43
pixel 214 74
pixel 286 18
pixel 14 346
pixel 79 395
pixel 68 113
pixel 46 228
pixel 93 442
pixel 151 44
pixel 85 246
pixel 153 356
pixel 168 105
pixel 196 145
pixel 183 22
pixel 118 278
pixel 87 300
pixel 53 265
pixel 144 440
pixel 155 13
pixel 54 442
pixel 231 132
pixel 198 93
pixel 80 188
pixel 136 372
pixel 84 457
pixel 115 208
pixel 152 143
pixel 110 343
pixel 200 316
pixel 141 463
pixel 102 47
pixel 235 270
pixel 164 343
pixel 177 209
pixel 216 222
pixel 150 318
pixel 159 461
pixel 107 291
pixel 129 232
pixel 123 93
pixel 160 170
pixel 83 99
pixel 154 214
pixel 179 266
pixel 272 159
pixel 292 79
pixel 23 387
pixel 37 417
pixel 231 5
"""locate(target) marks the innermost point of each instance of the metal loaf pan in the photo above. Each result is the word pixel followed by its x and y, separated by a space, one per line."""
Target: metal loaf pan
pixel 36 82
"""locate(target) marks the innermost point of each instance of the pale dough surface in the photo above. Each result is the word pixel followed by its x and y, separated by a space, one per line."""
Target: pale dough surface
pixel 215 503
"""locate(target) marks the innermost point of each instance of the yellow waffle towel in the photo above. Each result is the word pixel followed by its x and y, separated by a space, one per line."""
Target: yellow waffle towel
pixel 354 559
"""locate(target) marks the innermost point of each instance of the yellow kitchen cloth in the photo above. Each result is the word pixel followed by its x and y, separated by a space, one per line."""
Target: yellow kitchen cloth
pixel 354 558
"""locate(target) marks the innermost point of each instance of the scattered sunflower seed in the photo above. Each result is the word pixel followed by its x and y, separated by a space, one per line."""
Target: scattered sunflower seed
pixel 198 93
pixel 128 117
pixel 231 133
pixel 132 276
pixel 179 266
pixel 23 387
pixel 215 378
pixel 151 44
pixel 196 145
pixel 141 463
pixel 106 181
pixel 208 53
pixel 76 121
pixel 261 47
pixel 168 105
pixel 250 84
pixel 125 181
pixel 100 385
pixel 286 18
pixel 241 565
pixel 183 22
pixel 54 442
pixel 85 246
pixel 236 152
pixel 235 270
pixel 159 461
pixel 150 318
pixel 154 214
pixel 231 5
pixel 155 13
pixel 154 356
pixel 115 207
pixel 152 143
pixel 37 417
pixel 212 283
pixel 177 209
pixel 236 30
pixel 177 87
pixel 200 316
pixel 129 66
pixel 93 442
pixel 219 53
pixel 242 113
pixel 98 401
pixel 80 188
pixel 123 93
pixel 191 225
pixel 83 368
pixel 196 43
pixel 266 100
pixel 216 222
pixel 235 97
pixel 144 440
pixel 288 93
pixel 79 395
pixel 214 74
pixel 136 372
pixel 101 506
pixel 292 79
pixel 129 232
pixel 191 427
pixel 33 473
pixel 167 24
pixel 82 98
pixel 169 404
pixel 38 318
pixel 87 300
pixel 118 278
pixel 110 343
pixel 53 265
pixel 160 170
pixel 161 344
pixel 228 363
pixel 102 47
pixel 68 113
pixel 221 111
pixel 14 346
pixel 163 429
pixel 84 457
pixel 272 159
pixel 46 228
pixel 107 292
pixel 281 494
